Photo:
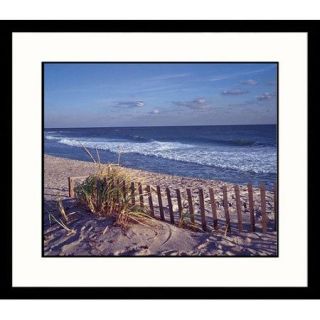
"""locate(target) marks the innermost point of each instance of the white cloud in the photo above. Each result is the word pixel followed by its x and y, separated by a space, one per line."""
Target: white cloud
pixel 196 104
pixel 130 104
pixel 249 82
pixel 139 104
pixel 265 96
pixel 234 92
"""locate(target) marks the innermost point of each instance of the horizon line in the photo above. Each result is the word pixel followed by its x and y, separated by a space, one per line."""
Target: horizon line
pixel 198 125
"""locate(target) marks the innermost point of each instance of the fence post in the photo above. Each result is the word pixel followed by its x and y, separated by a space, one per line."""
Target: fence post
pixel 202 210
pixel 251 208
pixel 150 201
pixel 190 205
pixel 71 187
pixel 140 194
pixel 179 203
pixel 263 208
pixel 170 205
pixel 160 203
pixel 226 208
pixel 238 205
pixel 275 204
pixel 133 199
pixel 213 209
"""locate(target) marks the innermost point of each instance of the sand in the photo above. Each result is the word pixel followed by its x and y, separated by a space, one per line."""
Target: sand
pixel 99 236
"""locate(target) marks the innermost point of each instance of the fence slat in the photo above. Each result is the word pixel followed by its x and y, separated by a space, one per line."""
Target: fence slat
pixel 71 187
pixel 238 206
pixel 133 199
pixel 160 203
pixel 213 209
pixel 170 205
pixel 190 204
pixel 263 208
pixel 150 201
pixel 226 208
pixel 251 208
pixel 202 210
pixel 140 194
pixel 179 203
pixel 275 204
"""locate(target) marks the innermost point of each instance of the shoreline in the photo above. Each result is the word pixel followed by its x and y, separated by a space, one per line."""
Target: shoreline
pixel 57 170
pixel 150 173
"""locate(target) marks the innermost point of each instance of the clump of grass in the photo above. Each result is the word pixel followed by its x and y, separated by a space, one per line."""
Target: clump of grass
pixel 88 152
pixel 184 221
pixel 62 211
pixel 106 193
pixel 62 224
pixel 63 220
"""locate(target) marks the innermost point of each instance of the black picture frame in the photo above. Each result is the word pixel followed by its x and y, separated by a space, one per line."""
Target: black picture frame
pixel 7 291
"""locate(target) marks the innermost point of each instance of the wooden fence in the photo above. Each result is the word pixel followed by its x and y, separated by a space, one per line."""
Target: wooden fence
pixel 244 208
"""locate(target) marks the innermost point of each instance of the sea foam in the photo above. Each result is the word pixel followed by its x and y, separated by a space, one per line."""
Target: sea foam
pixel 256 159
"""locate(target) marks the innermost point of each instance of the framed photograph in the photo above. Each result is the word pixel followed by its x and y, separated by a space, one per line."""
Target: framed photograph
pixel 159 159
pixel 148 188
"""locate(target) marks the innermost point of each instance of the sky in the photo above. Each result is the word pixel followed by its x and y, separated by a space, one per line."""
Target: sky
pixel 166 94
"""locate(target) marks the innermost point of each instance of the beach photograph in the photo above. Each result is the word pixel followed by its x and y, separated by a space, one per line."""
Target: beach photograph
pixel 160 159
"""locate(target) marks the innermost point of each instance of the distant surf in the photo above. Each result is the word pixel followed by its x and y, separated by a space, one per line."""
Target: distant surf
pixel 238 154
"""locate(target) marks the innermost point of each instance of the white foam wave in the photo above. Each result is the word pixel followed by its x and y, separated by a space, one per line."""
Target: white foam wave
pixel 49 137
pixel 258 160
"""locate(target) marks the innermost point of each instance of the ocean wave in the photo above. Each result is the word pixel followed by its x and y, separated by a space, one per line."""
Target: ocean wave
pixel 139 138
pixel 50 137
pixel 233 142
pixel 256 160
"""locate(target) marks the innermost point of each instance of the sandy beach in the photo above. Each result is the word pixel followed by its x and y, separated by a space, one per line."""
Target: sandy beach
pixel 99 236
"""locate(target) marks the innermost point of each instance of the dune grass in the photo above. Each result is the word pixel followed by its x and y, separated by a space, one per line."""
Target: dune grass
pixel 106 193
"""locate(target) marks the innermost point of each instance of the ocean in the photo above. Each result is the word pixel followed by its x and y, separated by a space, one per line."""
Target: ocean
pixel 236 154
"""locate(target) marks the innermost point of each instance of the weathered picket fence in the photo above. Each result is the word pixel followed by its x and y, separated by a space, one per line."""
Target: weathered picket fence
pixel 244 210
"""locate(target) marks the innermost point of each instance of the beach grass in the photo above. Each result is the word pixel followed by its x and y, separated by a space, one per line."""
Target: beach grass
pixel 106 193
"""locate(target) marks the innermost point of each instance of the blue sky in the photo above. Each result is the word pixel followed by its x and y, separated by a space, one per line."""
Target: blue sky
pixel 110 95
